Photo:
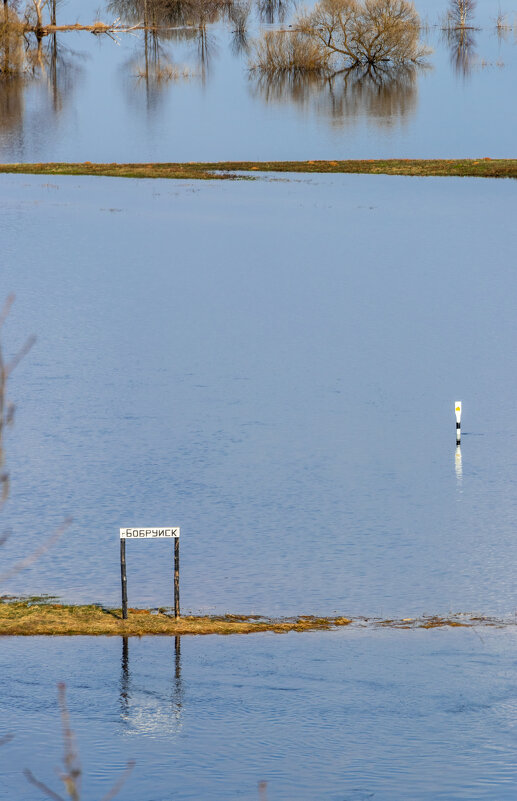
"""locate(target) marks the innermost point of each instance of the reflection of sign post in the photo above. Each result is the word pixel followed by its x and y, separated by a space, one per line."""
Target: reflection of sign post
pixel 150 534
pixel 457 412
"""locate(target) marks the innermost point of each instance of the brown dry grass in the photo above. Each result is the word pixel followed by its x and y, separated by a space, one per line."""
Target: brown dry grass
pixel 480 168
pixel 25 617
pixel 45 617
pixel 288 51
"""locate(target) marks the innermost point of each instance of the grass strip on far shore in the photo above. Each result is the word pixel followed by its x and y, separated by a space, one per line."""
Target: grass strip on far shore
pixel 44 616
pixel 479 168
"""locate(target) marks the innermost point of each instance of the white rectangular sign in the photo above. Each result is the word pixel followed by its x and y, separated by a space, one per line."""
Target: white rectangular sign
pixel 149 533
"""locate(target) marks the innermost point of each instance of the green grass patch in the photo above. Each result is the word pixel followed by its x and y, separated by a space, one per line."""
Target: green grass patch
pixel 228 170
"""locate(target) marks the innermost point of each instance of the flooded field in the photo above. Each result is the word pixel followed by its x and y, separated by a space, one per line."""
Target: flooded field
pixel 188 95
pixel 271 365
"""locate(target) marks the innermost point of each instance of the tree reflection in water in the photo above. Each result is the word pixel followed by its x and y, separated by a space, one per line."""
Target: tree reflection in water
pixel 47 63
pixel 170 21
pixel 273 11
pixel 386 95
pixel 11 104
pixel 462 49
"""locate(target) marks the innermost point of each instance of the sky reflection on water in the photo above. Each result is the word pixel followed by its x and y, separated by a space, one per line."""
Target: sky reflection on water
pixel 272 365
pixel 343 715
pixel 102 102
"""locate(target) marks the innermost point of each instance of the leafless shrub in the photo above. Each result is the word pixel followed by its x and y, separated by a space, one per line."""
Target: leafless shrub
pixel 71 776
pixel 280 52
pixel 342 34
pixel 503 25
pixel 501 21
pixel 163 73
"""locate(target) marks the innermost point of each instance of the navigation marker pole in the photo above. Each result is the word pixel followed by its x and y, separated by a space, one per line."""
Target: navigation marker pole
pixel 457 410
pixel 123 577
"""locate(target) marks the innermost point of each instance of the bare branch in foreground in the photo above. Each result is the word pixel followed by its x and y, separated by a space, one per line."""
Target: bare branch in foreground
pixel 115 790
pixel 6 308
pixel 35 555
pixel 20 355
pixel 72 775
pixel 3 539
pixel 43 787
pixel 72 778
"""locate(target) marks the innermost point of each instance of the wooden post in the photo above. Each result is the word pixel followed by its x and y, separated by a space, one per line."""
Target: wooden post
pixel 123 577
pixel 177 578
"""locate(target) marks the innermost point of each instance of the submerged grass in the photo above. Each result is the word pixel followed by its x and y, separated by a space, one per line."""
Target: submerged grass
pixel 43 616
pixel 40 616
pixel 480 168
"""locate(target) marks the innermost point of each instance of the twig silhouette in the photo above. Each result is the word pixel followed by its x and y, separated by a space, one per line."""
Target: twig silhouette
pixel 6 419
pixel 22 564
pixel 72 774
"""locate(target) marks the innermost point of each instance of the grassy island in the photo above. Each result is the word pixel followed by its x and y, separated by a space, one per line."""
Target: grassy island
pixel 479 168
pixel 43 616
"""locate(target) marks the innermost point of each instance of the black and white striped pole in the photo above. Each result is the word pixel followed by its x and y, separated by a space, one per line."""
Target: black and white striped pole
pixel 457 411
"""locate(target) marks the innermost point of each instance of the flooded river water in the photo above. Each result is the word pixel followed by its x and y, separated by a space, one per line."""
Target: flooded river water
pixel 271 365
pixel 343 716
pixel 102 100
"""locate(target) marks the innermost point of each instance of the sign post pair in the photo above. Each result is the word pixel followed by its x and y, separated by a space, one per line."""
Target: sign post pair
pixel 164 533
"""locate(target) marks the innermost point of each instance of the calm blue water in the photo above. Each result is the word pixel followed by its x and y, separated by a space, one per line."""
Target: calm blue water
pixel 96 108
pixel 344 716
pixel 271 365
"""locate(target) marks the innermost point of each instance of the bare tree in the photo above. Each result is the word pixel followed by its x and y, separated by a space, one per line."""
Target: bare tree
pixel 460 13
pixel 38 7
pixel 345 34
